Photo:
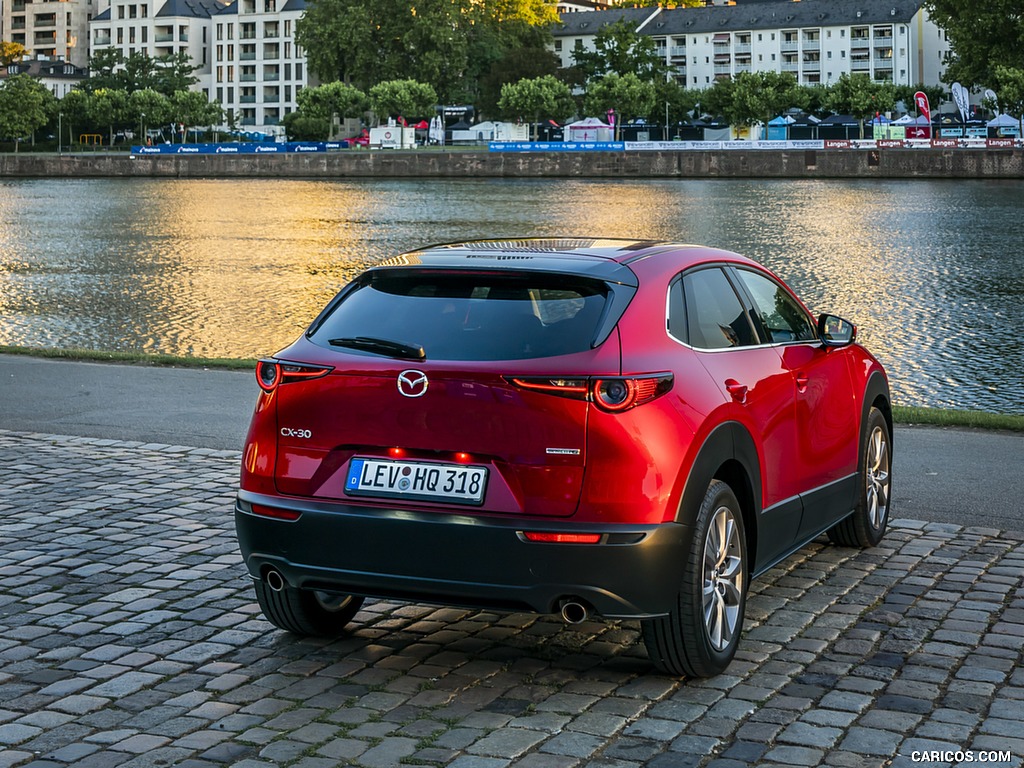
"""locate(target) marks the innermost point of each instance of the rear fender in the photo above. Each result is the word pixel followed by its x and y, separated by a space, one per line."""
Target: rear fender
pixel 728 454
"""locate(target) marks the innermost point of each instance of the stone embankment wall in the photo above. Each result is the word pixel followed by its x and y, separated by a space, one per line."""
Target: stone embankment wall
pixel 866 164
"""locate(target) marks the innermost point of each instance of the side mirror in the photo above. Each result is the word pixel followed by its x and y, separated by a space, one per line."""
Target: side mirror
pixel 834 331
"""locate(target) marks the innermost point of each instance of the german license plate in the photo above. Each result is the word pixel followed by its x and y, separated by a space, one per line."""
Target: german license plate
pixel 420 481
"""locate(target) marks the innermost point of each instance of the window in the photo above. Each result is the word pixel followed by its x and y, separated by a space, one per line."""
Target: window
pixel 486 316
pixel 715 318
pixel 780 316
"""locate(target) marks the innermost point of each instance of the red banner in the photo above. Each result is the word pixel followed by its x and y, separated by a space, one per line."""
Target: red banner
pixel 919 132
pixel 945 143
pixel 921 99
pixel 890 142
pixel 1000 143
pixel 837 144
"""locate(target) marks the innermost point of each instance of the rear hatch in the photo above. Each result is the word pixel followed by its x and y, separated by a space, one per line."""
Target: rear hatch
pixel 460 390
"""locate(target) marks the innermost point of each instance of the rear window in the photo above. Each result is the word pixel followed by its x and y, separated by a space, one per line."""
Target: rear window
pixel 472 317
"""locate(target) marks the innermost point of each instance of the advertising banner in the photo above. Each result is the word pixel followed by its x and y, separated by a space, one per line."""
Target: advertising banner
pixel 923 108
pixel 556 146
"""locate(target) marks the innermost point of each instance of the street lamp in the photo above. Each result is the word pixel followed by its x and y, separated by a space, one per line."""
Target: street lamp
pixel 60 116
pixel 142 127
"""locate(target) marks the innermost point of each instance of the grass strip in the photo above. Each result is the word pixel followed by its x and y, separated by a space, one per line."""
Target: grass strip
pixel 131 358
pixel 939 417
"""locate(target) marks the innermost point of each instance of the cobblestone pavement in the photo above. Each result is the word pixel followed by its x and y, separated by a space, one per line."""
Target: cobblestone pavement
pixel 130 636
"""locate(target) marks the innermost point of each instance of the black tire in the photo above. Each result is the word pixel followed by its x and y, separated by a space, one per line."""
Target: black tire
pixel 304 612
pixel 866 526
pixel 699 637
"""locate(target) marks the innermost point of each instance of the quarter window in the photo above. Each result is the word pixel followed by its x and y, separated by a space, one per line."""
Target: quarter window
pixel 715 318
pixel 781 317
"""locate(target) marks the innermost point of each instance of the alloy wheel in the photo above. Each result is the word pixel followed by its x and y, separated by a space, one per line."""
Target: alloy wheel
pixel 723 579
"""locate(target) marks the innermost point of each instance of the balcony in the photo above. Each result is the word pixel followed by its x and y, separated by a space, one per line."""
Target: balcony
pixel 860 65
pixel 272 98
pixel 791 66
pixel 790 45
pixel 247 121
pixel 101 39
pixel 723 69
pixel 677 51
pixel 18 6
pixel 247 77
pixel 247 99
pixel 271 77
pixel 247 56
pixel 741 48
pixel 812 45
pixel 19 23
pixel 163 37
pixel 883 62
pixel 45 20
pixel 812 65
pixel 45 38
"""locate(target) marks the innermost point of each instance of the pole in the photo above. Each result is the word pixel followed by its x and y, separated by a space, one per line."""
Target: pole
pixel 60 119
pixel 667 137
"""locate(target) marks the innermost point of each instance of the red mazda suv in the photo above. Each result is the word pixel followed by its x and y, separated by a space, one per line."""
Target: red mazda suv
pixel 576 426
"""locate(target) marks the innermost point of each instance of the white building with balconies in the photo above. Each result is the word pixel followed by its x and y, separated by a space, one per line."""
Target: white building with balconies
pixel 258 69
pixel 815 40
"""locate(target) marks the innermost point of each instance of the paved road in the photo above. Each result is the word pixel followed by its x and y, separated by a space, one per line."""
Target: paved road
pixel 941 475
pixel 130 638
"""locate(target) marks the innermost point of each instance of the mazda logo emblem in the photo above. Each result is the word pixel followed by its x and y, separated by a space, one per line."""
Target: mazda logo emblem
pixel 412 383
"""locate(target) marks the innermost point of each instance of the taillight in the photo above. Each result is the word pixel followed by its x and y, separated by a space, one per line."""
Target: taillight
pixel 610 393
pixel 272 373
pixel 550 537
pixel 574 388
pixel 622 393
pixel 276 513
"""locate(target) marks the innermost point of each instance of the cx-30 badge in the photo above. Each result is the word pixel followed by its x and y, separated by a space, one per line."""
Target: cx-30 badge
pixel 412 383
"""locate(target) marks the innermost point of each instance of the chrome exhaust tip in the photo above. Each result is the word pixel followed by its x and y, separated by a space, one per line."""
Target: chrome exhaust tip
pixel 574 611
pixel 275 580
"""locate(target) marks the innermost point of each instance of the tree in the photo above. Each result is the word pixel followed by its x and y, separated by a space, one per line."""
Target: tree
pixel 148 107
pixel 109 108
pixel 448 44
pixel 513 66
pixel 11 52
pixel 620 50
pixel 321 103
pixel 935 93
pixel 860 96
pixel 1010 91
pixel 678 102
pixel 110 69
pixel 628 95
pixel 192 108
pixel 760 96
pixel 537 98
pixel 982 36
pixel 25 106
pixel 74 110
pixel 403 98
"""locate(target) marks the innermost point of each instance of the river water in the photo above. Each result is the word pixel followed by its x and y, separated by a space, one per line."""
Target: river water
pixel 931 271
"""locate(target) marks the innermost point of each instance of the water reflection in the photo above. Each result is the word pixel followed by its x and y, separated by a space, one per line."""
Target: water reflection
pixel 930 271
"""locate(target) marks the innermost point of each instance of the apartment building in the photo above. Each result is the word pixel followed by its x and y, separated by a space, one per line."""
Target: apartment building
pixel 57 31
pixel 159 28
pixel 258 70
pixel 815 40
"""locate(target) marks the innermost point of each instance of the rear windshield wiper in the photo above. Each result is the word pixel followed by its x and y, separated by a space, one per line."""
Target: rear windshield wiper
pixel 380 347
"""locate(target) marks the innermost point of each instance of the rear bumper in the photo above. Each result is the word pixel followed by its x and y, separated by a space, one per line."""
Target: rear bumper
pixel 634 572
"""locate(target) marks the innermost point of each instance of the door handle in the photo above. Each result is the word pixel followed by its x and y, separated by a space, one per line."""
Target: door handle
pixel 802 380
pixel 737 391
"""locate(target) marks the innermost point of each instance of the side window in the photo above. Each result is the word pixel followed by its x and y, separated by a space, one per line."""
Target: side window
pixel 715 318
pixel 782 317
pixel 677 312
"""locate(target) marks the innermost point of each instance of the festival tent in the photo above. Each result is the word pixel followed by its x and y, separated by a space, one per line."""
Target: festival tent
pixel 804 127
pixel 778 128
pixel 589 129
pixel 839 127
pixel 1003 125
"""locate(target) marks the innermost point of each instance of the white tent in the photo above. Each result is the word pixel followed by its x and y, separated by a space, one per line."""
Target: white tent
pixel 589 129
